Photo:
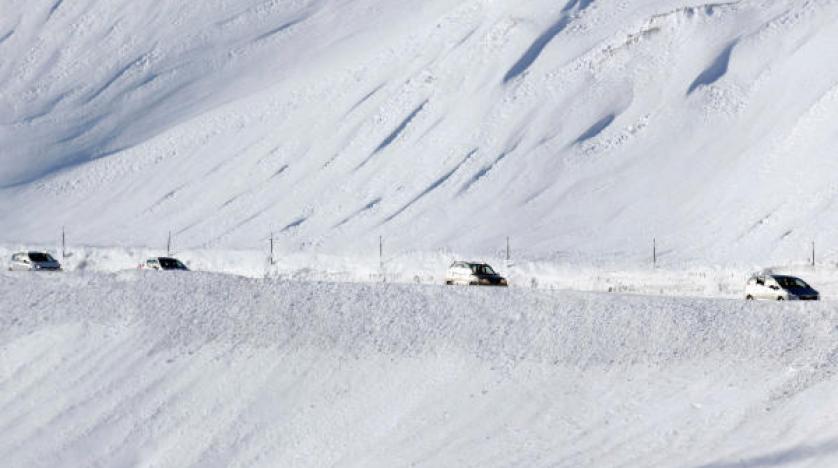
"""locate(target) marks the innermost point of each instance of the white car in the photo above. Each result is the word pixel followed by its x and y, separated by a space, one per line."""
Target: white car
pixel 779 288
pixel 473 274
pixel 163 263
pixel 34 261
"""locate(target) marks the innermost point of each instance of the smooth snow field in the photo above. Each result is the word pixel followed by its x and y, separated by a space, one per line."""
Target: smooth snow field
pixel 175 370
pixel 580 128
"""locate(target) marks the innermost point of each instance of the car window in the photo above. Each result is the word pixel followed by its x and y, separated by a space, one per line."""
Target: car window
pixel 790 282
pixel 482 269
pixel 171 264
pixel 761 281
pixel 40 257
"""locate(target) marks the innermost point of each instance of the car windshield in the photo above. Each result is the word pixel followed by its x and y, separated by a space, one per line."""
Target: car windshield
pixel 482 269
pixel 40 257
pixel 790 282
pixel 171 264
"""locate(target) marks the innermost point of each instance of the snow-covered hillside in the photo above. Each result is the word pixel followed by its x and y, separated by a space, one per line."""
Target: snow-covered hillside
pixel 581 129
pixel 205 370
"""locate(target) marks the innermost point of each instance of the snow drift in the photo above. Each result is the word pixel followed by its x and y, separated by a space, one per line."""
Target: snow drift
pixel 582 129
pixel 209 370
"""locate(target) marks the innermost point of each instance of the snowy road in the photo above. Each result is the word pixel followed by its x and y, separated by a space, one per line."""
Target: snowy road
pixel 211 370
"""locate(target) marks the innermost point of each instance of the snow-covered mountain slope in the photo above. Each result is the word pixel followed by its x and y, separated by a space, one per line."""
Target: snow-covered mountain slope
pixel 580 128
pixel 211 370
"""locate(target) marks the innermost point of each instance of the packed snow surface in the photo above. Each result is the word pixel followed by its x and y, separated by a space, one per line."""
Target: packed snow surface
pixel 162 369
pixel 581 129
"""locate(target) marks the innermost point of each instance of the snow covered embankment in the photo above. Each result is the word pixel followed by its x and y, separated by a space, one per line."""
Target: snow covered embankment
pixel 210 370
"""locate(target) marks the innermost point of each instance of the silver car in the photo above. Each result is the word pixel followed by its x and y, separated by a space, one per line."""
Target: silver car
pixel 779 288
pixel 473 274
pixel 34 261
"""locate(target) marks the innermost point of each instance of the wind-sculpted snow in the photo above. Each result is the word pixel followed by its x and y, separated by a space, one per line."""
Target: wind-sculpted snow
pixel 715 71
pixel 599 126
pixel 198 369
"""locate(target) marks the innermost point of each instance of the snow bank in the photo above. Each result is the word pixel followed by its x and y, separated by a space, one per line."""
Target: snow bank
pixel 430 267
pixel 159 369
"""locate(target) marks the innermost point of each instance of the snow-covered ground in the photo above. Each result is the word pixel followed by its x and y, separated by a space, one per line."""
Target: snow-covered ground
pixel 161 369
pixel 581 129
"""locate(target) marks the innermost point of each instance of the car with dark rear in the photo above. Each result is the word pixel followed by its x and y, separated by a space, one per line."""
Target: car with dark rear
pixel 34 261
pixel 163 264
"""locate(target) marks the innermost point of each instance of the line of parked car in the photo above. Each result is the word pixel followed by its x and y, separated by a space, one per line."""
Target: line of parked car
pixel 759 287
pixel 43 261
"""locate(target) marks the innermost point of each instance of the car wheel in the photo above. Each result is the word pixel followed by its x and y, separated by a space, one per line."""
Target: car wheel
pixel 749 298
pixel 448 282
pixel 472 283
pixel 780 299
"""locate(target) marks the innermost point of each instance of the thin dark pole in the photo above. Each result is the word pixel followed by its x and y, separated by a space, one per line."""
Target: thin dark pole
pixel 654 252
pixel 507 251
pixel 63 243
pixel 169 244
pixel 813 255
pixel 272 248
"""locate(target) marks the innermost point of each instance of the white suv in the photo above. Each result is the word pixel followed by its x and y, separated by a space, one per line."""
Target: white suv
pixel 779 288
pixel 34 261
pixel 473 274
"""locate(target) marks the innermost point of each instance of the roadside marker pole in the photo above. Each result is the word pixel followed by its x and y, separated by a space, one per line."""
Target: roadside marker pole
pixel 381 258
pixel 813 255
pixel 654 253
pixel 272 248
pixel 507 252
pixel 169 244
pixel 63 243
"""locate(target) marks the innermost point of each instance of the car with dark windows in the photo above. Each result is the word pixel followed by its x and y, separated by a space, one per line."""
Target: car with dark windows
pixel 779 288
pixel 473 274
pixel 34 261
pixel 163 264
